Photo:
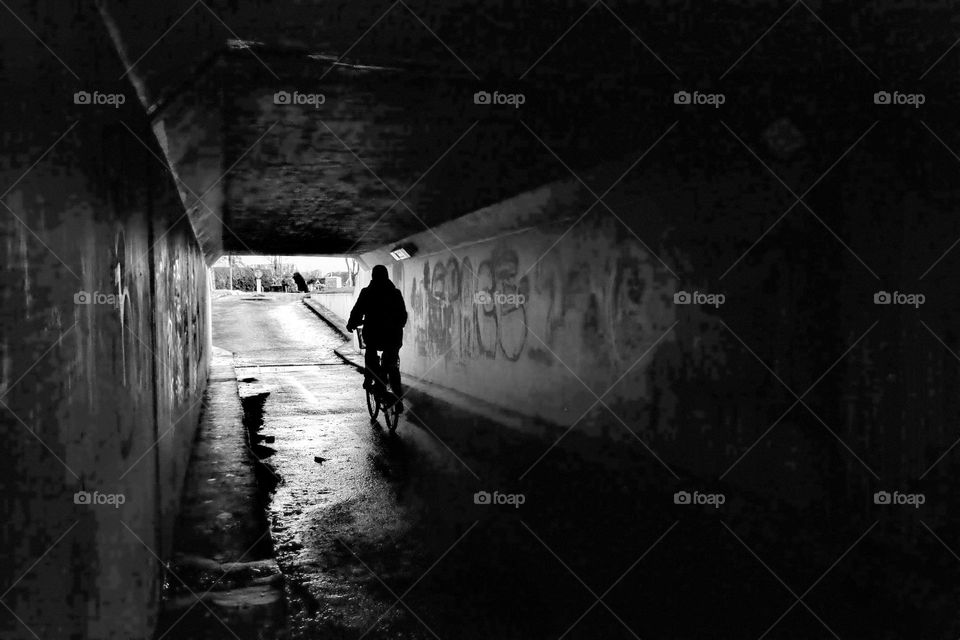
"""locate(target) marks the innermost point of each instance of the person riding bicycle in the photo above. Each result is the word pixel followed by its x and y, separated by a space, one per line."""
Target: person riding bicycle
pixel 383 314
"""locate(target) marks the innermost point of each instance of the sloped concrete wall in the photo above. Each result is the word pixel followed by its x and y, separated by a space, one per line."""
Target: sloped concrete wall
pixel 339 303
pixel 103 339
pixel 534 318
pixel 535 328
pixel 181 303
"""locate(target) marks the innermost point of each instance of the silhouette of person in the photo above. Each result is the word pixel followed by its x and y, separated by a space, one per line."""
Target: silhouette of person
pixel 301 283
pixel 383 314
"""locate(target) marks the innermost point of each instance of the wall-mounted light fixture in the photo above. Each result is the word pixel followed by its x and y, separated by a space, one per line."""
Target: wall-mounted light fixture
pixel 402 252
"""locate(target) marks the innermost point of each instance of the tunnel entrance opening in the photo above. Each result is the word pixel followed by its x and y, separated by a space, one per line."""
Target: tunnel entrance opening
pixel 266 308
pixel 284 274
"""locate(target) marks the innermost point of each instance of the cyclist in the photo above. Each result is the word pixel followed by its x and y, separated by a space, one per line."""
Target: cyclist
pixel 383 314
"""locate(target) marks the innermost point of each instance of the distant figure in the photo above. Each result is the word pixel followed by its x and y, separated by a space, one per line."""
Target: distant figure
pixel 301 283
pixel 383 314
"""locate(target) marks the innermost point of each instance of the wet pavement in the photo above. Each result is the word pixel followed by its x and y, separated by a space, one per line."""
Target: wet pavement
pixel 223 582
pixel 381 536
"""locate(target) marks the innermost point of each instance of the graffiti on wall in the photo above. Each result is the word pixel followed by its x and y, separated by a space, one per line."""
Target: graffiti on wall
pixel 180 279
pixel 466 312
pixel 121 283
pixel 494 305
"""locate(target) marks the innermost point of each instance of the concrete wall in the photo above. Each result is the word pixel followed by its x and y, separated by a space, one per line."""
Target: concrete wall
pixel 495 322
pixel 103 339
pixel 338 303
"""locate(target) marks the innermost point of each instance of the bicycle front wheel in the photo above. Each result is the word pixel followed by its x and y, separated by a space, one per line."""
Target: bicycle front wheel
pixel 372 405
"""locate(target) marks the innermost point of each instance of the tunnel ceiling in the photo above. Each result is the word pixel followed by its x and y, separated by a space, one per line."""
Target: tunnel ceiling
pixel 398 144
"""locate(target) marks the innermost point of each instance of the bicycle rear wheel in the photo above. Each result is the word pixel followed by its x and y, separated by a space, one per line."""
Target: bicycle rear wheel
pixel 390 413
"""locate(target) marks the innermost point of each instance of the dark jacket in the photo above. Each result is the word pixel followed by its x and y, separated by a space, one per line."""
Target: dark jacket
pixel 381 311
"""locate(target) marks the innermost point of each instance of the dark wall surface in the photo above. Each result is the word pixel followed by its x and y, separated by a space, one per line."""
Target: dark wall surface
pixel 103 334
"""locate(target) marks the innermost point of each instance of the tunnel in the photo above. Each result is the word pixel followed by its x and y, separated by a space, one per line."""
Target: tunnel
pixel 678 285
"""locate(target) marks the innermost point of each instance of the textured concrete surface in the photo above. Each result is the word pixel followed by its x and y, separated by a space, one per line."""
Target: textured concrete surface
pixel 399 119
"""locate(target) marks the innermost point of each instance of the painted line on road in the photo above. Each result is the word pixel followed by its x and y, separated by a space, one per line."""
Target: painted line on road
pixel 290 364
pixel 304 390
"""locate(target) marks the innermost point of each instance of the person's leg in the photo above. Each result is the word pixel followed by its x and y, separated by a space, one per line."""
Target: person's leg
pixel 391 365
pixel 371 365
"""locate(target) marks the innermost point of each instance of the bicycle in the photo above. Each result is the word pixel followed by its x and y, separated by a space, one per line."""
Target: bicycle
pixel 380 399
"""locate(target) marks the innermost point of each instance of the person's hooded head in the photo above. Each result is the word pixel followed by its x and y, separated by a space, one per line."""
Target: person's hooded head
pixel 378 276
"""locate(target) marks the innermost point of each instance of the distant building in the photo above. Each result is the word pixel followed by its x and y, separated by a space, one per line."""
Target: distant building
pixel 332 282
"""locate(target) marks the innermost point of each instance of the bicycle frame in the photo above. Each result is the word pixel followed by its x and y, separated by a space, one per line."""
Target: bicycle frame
pixel 361 345
pixel 377 402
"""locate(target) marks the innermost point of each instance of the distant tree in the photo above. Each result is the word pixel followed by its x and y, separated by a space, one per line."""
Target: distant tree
pixel 221 274
pixel 221 278
pixel 244 278
pixel 353 268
